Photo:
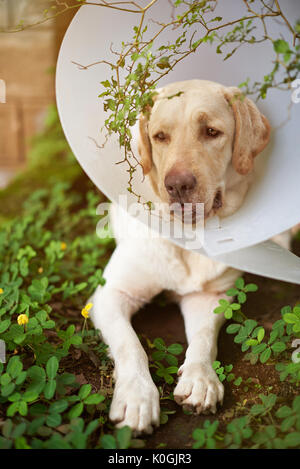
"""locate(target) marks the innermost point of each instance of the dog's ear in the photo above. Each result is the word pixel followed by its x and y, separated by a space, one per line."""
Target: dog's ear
pixel 144 145
pixel 252 130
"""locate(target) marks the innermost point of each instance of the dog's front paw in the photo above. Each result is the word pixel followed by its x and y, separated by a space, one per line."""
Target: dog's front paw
pixel 136 404
pixel 199 388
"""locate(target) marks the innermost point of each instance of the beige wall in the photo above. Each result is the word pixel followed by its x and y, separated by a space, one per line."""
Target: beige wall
pixel 27 64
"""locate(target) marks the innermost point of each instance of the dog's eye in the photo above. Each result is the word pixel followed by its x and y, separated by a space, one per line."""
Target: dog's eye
pixel 160 136
pixel 210 132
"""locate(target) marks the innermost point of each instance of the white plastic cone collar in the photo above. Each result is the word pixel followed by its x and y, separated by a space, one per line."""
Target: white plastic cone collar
pixel 273 203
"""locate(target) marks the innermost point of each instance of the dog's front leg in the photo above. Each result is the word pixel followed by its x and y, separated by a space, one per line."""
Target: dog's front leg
pixel 199 388
pixel 136 399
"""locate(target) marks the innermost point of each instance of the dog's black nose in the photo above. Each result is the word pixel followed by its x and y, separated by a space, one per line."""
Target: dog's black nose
pixel 179 184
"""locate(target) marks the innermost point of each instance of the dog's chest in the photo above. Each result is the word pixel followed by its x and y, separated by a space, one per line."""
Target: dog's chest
pixel 173 267
pixel 187 271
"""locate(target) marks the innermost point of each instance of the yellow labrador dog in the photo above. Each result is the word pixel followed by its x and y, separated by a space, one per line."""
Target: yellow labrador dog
pixel 198 146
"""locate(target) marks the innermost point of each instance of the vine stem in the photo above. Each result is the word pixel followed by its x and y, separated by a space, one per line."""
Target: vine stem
pixel 113 5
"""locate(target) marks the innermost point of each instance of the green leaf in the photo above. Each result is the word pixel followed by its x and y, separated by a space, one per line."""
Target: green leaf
pixel 37 376
pixel 108 442
pixel 70 331
pixel 260 334
pixel 292 439
pixel 211 428
pixel 16 396
pixel 76 411
pixel 76 340
pixel 53 420
pixel 52 367
pixel 38 409
pixel 224 303
pixel 286 309
pixel 241 337
pixel 257 409
pixel 245 347
pixel 21 378
pixel 91 427
pixel 168 379
pixel 228 313
pixel 35 425
pixel 14 366
pixel 230 377
pixel 12 409
pixel 199 436
pixel 159 344
pixel 296 310
pixel 228 368
pixel 278 347
pixel 23 408
pixel 172 370
pixel 7 428
pixel 94 399
pixel 59 406
pixel 171 360
pixel 296 404
pixel 49 389
pixel 30 396
pixel 238 381
pixel 240 283
pixel 281 46
pixel 251 287
pixel 250 324
pixel 242 297
pixel 216 364
pixel 251 342
pixel 259 348
pixel 158 355
pixel 175 349
pixel 24 267
pixel 19 430
pixel 210 443
pixel 5 379
pixel 233 328
pixel 283 412
pixel 290 318
pixel 123 437
pixel 73 398
pixel 4 325
pixel 232 292
pixel 288 423
pixel 265 355
pixel 8 389
pixel 163 418
pixel 84 391
pixel 219 310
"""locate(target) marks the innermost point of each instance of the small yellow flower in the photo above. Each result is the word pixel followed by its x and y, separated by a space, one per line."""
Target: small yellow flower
pixel 22 319
pixel 40 270
pixel 63 246
pixel 85 311
pixel 1 291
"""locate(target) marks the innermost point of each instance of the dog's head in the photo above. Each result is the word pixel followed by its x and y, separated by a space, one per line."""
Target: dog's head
pixel 197 133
